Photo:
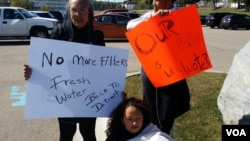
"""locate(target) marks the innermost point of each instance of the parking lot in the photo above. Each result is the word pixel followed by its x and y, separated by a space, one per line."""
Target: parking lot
pixel 221 44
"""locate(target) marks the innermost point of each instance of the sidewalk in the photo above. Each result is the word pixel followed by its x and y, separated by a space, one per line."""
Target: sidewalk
pixel 101 124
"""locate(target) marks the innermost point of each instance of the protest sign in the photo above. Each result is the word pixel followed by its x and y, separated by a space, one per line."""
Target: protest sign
pixel 73 79
pixel 172 47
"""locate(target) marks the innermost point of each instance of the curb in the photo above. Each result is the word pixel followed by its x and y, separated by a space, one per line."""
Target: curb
pixel 132 74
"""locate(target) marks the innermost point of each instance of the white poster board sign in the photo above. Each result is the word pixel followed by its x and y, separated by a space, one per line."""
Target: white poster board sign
pixel 74 80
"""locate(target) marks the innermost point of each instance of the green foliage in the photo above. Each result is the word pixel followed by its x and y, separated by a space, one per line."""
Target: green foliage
pixel 247 2
pixel 21 3
pixel 134 86
pixel 141 5
pixel 4 2
pixel 181 2
pixel 118 6
pixel 45 8
pixel 203 121
pixel 206 11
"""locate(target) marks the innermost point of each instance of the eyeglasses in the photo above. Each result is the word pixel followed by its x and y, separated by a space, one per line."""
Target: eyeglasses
pixel 79 11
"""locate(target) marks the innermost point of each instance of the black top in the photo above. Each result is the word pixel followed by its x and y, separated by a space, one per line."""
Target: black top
pixel 68 32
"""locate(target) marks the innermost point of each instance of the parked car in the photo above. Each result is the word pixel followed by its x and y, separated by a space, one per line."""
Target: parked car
pixel 58 15
pixel 17 22
pixel 114 10
pixel 45 14
pixel 111 25
pixel 213 19
pixel 203 19
pixel 131 15
pixel 235 21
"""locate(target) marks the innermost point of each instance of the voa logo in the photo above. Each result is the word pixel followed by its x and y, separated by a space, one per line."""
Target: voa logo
pixel 236 132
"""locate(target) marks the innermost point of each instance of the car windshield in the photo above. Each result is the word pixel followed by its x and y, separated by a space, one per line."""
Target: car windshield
pixel 227 16
pixel 26 13
pixel 247 17
pixel 33 14
pixel 209 16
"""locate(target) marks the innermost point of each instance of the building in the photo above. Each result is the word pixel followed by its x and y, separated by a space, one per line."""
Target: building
pixel 58 5
pixel 129 4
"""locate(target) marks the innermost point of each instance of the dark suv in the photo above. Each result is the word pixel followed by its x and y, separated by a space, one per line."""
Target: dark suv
pixel 213 19
pixel 58 15
pixel 235 21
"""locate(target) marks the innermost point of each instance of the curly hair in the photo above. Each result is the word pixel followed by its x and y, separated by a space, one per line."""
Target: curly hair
pixel 115 125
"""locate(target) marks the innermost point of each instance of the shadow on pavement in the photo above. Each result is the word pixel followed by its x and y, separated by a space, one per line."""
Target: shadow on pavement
pixel 14 42
pixel 116 40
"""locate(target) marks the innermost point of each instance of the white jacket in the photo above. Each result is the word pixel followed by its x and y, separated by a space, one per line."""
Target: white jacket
pixel 132 23
pixel 152 133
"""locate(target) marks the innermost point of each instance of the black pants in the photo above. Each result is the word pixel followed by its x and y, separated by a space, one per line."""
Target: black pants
pixel 68 128
pixel 167 102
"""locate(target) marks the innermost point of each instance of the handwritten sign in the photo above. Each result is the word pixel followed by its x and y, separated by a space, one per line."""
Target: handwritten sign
pixel 74 80
pixel 172 48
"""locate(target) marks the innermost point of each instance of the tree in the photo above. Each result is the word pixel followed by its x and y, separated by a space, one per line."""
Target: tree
pixel 247 2
pixel 4 2
pixel 22 3
pixel 214 2
pixel 45 8
pixel 143 4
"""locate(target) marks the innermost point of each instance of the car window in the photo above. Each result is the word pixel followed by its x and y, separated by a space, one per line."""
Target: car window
pixel 210 16
pixel 122 20
pixel 11 14
pixel 25 13
pixel 224 18
pixel 107 19
pixel 98 18
pixel 247 17
pixel 228 16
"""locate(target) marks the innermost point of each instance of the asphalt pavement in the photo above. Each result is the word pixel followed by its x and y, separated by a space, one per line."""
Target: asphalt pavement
pixel 221 44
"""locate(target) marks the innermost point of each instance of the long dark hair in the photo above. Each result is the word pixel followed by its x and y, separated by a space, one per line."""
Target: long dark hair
pixel 115 127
